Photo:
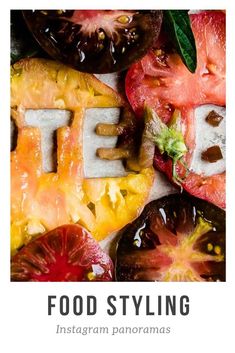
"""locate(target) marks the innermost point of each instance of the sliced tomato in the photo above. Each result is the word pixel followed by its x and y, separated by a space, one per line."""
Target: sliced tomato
pixel 163 83
pixel 65 254
pixel 96 41
pixel 210 188
pixel 177 238
pixel 42 201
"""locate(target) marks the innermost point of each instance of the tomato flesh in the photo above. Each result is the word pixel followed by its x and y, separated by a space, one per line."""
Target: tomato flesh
pixel 42 201
pixel 164 84
pixel 95 41
pixel 211 188
pixel 67 253
pixel 176 239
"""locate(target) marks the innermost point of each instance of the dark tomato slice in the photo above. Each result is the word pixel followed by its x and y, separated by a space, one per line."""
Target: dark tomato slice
pixel 177 238
pixel 65 254
pixel 161 81
pixel 95 41
pixel 23 45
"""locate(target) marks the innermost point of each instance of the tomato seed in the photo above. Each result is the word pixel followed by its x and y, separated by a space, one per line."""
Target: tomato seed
pixel 123 19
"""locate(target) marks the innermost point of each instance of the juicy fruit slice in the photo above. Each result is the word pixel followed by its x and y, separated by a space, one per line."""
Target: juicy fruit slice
pixel 43 201
pixel 65 254
pixel 212 188
pixel 161 81
pixel 176 239
pixel 96 41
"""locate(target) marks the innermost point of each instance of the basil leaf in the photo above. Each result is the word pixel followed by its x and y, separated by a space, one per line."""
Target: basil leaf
pixel 177 23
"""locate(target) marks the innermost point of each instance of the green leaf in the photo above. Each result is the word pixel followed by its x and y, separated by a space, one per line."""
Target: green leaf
pixel 177 23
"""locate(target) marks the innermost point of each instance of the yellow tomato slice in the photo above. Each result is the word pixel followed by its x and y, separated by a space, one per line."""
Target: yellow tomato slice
pixel 42 201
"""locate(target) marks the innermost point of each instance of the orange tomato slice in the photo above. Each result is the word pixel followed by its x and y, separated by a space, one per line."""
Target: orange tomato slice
pixel 43 201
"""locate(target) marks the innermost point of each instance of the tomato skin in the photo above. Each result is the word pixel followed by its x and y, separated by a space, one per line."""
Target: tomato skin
pixel 168 85
pixel 65 254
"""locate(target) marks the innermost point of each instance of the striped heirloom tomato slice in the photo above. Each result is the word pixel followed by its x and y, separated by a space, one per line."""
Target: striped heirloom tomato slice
pixel 177 238
pixel 65 254
pixel 95 41
pixel 43 201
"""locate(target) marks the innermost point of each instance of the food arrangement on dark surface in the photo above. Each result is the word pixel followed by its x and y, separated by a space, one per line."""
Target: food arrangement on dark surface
pixel 167 73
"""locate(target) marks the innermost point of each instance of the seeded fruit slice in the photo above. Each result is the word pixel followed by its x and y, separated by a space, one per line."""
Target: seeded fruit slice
pixel 95 41
pixel 162 82
pixel 65 254
pixel 42 201
pixel 177 238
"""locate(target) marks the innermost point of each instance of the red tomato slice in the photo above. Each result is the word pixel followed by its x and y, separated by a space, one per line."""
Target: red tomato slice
pixel 165 84
pixel 65 254
pixel 210 188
